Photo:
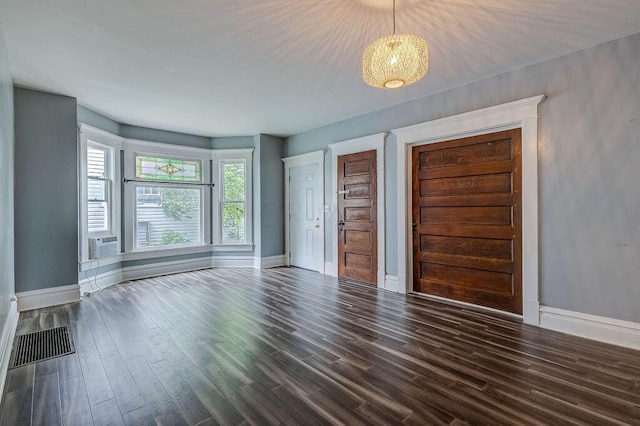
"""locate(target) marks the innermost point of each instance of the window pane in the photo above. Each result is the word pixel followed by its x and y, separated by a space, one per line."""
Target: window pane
pixel 167 169
pixel 98 215
pixel 97 190
pixel 174 218
pixel 232 222
pixel 96 162
pixel 233 181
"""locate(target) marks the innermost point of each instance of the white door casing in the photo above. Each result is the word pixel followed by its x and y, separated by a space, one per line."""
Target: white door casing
pixel 518 114
pixel 304 204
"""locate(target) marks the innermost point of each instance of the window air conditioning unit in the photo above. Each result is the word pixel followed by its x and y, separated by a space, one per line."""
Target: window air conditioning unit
pixel 103 247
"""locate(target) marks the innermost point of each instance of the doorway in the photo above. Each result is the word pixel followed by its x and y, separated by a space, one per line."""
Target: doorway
pixel 357 217
pixel 466 214
pixel 304 199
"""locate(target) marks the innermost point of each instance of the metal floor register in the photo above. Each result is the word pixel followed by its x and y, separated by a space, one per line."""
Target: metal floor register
pixel 42 345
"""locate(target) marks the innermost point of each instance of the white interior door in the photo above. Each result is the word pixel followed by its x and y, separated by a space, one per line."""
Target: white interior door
pixel 305 213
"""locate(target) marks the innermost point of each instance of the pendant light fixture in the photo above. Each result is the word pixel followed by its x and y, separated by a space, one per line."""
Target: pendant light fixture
pixel 395 61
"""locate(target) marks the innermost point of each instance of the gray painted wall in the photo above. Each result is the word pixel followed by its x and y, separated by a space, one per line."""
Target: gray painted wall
pixel 7 277
pixel 272 195
pixel 94 119
pixel 46 195
pixel 154 135
pixel 589 152
pixel 236 142
pixel 268 196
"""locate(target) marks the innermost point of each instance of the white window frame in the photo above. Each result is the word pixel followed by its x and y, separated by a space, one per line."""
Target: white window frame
pixel 91 136
pixel 132 148
pixel 219 157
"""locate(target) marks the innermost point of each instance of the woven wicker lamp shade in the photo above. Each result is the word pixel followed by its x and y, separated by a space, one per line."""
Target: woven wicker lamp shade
pixel 395 61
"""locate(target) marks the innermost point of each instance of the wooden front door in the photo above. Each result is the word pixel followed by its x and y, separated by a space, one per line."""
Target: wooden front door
pixel 467 236
pixel 357 217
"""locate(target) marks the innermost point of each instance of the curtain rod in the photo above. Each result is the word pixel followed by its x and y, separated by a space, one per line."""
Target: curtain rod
pixel 125 180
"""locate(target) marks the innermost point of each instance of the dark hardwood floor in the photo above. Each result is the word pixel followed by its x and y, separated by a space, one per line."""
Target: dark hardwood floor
pixel 288 346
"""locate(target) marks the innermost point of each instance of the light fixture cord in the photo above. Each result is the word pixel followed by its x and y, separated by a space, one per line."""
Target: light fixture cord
pixel 394 17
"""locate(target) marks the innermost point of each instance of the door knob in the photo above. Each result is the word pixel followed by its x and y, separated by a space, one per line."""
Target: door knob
pixel 340 225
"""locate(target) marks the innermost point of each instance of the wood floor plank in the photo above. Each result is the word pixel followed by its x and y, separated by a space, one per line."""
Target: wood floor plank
pixel 138 417
pixel 74 402
pixel 46 400
pixel 106 413
pixel 156 398
pixel 216 403
pixel 69 366
pixel 289 346
pixel 95 379
pixel 20 378
pixel 17 407
pixel 188 404
pixel 124 388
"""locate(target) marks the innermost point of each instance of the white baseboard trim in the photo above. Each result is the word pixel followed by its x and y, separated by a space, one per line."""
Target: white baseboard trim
pixel 531 312
pixel 603 329
pixel 6 340
pixel 391 283
pixel 331 269
pixel 28 300
pixel 163 268
pixel 268 262
pixel 466 305
pixel 107 279
pixel 101 281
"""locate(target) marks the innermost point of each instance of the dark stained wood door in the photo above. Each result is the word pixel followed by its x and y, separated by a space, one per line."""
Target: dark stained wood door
pixel 357 217
pixel 467 236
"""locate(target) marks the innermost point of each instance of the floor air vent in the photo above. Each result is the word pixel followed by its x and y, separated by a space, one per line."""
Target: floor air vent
pixel 42 345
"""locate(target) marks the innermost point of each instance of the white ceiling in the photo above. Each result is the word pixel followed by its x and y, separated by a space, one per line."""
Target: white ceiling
pixel 224 68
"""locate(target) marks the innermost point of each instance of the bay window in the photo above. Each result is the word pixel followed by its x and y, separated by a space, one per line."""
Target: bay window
pixel 176 200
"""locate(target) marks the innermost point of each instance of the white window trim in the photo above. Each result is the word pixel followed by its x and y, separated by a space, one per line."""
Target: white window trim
pixel 519 114
pixel 218 156
pixel 88 133
pixel 137 147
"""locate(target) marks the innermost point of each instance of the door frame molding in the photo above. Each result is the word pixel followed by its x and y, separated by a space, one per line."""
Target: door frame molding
pixel 521 114
pixel 309 159
pixel 376 143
